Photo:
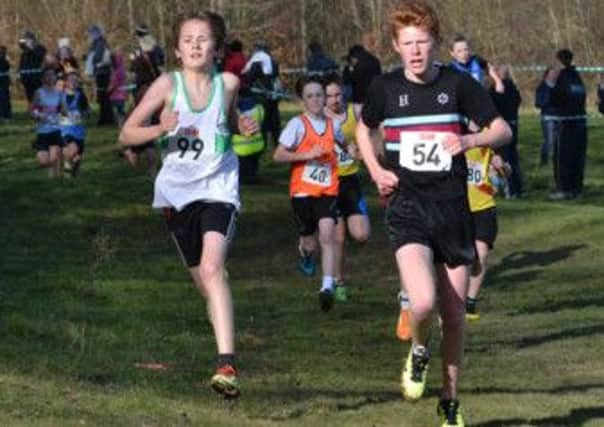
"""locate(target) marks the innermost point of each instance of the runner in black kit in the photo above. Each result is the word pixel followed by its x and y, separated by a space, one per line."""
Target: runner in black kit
pixel 423 109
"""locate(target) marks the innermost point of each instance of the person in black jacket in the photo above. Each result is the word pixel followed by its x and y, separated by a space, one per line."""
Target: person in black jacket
pixel 318 62
pixel 30 64
pixel 5 105
pixel 362 67
pixel 570 146
pixel 507 100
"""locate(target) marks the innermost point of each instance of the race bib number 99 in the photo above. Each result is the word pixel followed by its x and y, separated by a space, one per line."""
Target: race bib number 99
pixel 423 151
pixel 185 148
pixel 317 174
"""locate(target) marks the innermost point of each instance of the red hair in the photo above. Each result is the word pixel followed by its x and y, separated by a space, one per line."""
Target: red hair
pixel 414 13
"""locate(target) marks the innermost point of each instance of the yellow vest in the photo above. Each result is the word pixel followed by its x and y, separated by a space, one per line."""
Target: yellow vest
pixel 252 144
pixel 481 191
pixel 347 165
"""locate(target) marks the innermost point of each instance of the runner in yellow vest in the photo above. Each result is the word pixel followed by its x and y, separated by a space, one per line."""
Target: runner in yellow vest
pixel 352 207
pixel 484 167
pixel 249 148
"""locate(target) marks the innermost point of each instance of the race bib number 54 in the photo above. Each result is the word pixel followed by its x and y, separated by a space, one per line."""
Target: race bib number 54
pixel 317 174
pixel 423 151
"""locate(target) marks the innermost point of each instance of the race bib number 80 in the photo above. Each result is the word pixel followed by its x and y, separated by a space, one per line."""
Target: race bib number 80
pixel 423 151
pixel 317 174
pixel 475 173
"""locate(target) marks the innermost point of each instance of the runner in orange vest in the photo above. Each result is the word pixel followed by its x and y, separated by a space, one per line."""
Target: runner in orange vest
pixel 308 143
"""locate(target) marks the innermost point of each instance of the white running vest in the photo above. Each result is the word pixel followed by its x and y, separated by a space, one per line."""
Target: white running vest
pixel 198 160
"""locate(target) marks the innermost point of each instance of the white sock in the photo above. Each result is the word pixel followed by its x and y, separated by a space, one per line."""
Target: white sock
pixel 327 283
pixel 420 350
pixel 403 300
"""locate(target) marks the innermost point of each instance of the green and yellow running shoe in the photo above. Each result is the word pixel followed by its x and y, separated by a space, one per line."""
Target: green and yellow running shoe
pixel 341 294
pixel 415 372
pixel 225 382
pixel 472 314
pixel 449 412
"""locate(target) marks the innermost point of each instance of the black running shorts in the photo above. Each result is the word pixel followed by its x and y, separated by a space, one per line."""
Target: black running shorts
pixel 309 210
pixel 485 226
pixel 350 197
pixel 68 139
pixel 445 226
pixel 188 226
pixel 45 140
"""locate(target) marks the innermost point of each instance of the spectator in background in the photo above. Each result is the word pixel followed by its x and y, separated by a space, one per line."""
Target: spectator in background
pixel 98 65
pixel 360 70
pixel 118 90
pixel 261 72
pixel 31 63
pixel 234 60
pixel 601 94
pixel 464 60
pixel 5 104
pixel 149 44
pixel 569 96
pixel 67 61
pixel 146 66
pixel 318 62
pixel 249 147
pixel 549 124
pixel 507 100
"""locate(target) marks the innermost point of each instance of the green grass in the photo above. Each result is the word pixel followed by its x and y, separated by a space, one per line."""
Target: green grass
pixel 91 285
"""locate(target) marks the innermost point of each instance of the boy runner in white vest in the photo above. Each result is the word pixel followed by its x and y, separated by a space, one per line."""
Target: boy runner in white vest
pixel 197 186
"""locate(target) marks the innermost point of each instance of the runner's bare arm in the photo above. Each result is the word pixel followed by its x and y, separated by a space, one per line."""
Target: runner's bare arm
pixel 157 96
pixel 385 180
pixel 283 155
pixel 498 133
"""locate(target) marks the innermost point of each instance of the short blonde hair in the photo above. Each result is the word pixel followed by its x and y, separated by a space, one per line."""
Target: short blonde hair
pixel 416 13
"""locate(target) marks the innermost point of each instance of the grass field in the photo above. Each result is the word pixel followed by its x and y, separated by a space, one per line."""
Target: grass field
pixel 91 287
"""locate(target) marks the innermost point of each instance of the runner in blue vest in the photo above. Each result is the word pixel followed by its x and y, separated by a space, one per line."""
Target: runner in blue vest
pixel 464 60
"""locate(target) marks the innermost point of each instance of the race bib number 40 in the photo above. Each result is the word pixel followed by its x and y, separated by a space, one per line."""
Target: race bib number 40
pixel 423 151
pixel 317 174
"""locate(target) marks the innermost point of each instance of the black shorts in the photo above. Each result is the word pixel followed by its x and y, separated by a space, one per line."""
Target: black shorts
pixel 309 210
pixel 45 140
pixel 188 226
pixel 68 139
pixel 138 149
pixel 445 226
pixel 350 197
pixel 485 226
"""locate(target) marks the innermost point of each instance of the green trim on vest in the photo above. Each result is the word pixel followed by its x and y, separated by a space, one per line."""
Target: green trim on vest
pixel 223 143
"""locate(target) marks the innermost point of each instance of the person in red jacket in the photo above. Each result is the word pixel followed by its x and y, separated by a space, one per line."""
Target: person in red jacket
pixel 235 60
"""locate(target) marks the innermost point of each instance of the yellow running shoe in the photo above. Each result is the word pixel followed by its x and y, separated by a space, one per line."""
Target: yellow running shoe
pixel 415 373
pixel 472 317
pixel 403 326
pixel 225 382
pixel 471 310
pixel 449 412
